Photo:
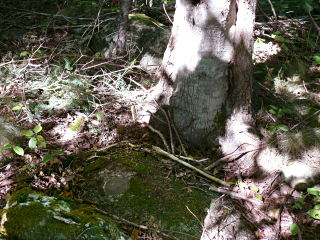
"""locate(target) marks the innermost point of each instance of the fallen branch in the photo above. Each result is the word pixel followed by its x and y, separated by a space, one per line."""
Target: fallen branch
pixel 171 156
pixel 142 227
pixel 231 157
pixel 235 195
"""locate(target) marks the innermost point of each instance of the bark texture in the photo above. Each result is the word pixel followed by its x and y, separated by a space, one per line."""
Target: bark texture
pixel 239 130
pixel 125 6
pixel 194 77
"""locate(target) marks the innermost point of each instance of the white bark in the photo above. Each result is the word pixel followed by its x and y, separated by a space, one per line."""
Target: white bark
pixel 194 77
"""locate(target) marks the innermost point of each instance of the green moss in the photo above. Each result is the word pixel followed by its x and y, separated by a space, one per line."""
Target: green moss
pixel 20 196
pixel 146 20
pixel 36 216
pixel 152 198
pixel 163 204
pixel 98 163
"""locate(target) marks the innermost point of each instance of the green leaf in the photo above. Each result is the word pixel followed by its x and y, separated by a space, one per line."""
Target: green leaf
pixel 313 191
pixel 99 115
pixel 40 138
pixel 272 111
pixel 18 150
pixel 254 188
pixel 32 142
pixel 7 145
pixel 283 127
pixel 297 206
pixel 24 54
pixel 259 196
pixel 316 59
pixel 17 108
pixel 58 152
pixel 317 207
pixel 287 111
pixel 280 114
pixel 294 229
pixel 97 54
pixel 77 124
pixel 314 213
pixel 273 107
pixel 47 158
pixel 273 128
pixel 42 144
pixel 27 133
pixel 37 128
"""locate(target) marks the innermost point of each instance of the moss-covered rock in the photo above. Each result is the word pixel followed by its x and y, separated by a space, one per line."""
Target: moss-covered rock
pixel 31 215
pixel 136 186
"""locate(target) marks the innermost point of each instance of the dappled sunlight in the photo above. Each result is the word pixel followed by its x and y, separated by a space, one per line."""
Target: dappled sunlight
pixel 264 50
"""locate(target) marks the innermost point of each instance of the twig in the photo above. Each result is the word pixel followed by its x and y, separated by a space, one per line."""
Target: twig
pixel 164 153
pixel 160 135
pixel 227 157
pixel 235 195
pixel 179 138
pixel 314 23
pixel 143 227
pixel 263 13
pixel 194 160
pixel 170 130
pixel 165 11
pixel 273 10
pixel 304 120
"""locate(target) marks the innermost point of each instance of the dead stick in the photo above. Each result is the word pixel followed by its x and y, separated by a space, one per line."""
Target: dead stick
pixel 235 195
pixel 217 180
pixel 228 157
pixel 170 130
pixel 161 136
pixel 178 136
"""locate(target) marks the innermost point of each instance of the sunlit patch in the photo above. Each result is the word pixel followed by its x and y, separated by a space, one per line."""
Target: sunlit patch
pixel 264 50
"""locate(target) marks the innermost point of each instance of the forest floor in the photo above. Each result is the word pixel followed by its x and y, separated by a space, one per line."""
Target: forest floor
pixel 50 77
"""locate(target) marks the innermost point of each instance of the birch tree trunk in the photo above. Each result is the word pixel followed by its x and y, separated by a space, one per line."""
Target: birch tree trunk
pixel 207 71
pixel 194 77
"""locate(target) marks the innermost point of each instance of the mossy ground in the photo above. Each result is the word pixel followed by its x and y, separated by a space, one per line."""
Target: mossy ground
pixel 153 199
pixel 31 215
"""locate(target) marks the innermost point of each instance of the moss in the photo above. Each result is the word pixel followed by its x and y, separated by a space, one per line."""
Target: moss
pixel 20 196
pixel 36 216
pixel 146 20
pixel 163 204
pixel 98 163
pixel 152 198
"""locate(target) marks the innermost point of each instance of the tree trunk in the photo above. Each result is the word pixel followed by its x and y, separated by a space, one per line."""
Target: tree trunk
pixel 194 77
pixel 125 6
pixel 207 70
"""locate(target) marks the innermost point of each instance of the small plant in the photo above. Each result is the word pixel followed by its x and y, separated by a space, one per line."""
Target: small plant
pixel 35 139
pixel 316 60
pixel 315 211
pixel 294 229
pixel 279 113
pixel 17 149
pixel 300 203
